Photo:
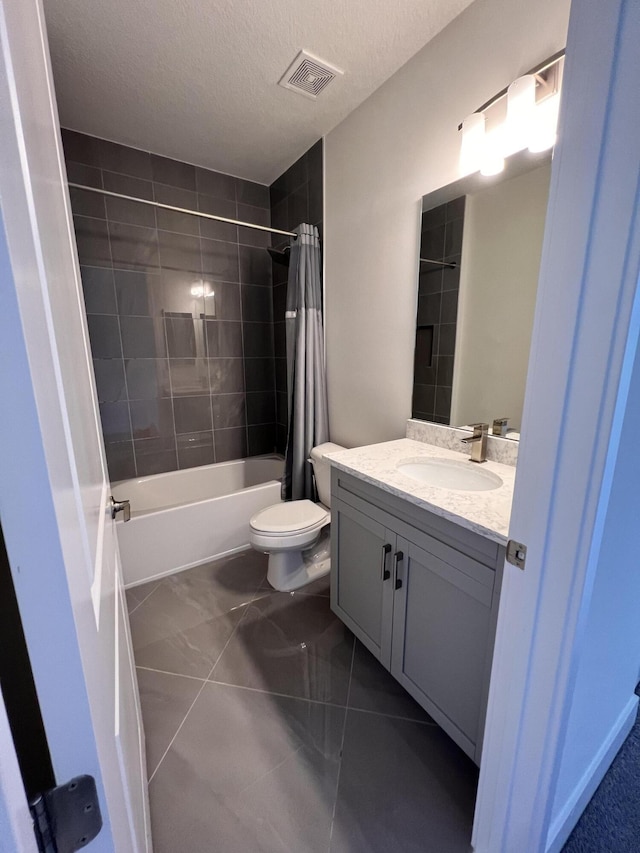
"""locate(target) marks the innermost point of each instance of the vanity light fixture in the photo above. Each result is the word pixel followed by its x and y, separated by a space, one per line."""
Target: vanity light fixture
pixel 530 120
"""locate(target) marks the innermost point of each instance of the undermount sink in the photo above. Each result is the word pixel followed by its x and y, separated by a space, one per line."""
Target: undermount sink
pixel 451 474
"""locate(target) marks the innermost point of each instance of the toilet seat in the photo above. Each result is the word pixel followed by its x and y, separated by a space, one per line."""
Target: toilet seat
pixel 291 517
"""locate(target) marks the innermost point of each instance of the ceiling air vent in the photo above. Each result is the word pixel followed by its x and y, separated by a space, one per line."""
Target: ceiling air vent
pixel 309 75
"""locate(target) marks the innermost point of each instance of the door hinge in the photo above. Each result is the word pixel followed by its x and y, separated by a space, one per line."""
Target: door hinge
pixel 516 553
pixel 67 818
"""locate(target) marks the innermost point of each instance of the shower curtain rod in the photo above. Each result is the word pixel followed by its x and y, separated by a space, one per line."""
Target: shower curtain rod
pixel 451 264
pixel 184 210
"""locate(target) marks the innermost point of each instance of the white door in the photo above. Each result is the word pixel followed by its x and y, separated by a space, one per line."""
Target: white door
pixel 54 489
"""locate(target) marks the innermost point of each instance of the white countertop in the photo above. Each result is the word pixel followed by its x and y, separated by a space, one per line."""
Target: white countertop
pixel 486 513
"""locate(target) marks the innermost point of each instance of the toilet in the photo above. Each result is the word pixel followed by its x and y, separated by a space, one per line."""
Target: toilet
pixel 295 534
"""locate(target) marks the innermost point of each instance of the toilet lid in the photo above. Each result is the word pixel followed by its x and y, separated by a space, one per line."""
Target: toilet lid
pixel 289 516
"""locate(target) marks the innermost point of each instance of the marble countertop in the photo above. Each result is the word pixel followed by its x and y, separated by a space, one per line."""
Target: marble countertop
pixel 486 513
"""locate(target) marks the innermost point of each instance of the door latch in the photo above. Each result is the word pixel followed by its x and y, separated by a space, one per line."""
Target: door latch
pixel 516 553
pixel 120 506
pixel 66 818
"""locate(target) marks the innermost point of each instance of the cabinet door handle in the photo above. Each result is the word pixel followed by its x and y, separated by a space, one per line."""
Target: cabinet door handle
pixel 385 574
pixel 398 557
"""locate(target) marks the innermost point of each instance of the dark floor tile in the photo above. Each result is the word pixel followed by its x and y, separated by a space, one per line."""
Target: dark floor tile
pixel 165 700
pixel 133 247
pixel 373 688
pixel 265 782
pixel 230 444
pixel 98 289
pixel 404 787
pixel 290 644
pixel 183 626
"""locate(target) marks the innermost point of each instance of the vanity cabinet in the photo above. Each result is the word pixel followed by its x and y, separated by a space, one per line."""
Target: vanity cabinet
pixel 421 593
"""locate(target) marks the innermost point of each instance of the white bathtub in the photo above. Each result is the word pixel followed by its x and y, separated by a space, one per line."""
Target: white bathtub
pixel 184 518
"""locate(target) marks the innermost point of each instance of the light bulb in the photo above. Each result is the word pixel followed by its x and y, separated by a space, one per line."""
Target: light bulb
pixel 472 144
pixel 521 104
pixel 545 125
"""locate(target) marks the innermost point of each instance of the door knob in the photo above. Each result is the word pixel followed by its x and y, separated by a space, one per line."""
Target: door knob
pixel 120 506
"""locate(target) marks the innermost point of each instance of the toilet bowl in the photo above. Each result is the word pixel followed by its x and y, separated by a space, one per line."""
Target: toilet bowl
pixel 295 534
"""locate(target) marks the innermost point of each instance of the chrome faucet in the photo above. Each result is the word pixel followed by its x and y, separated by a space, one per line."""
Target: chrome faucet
pixel 478 441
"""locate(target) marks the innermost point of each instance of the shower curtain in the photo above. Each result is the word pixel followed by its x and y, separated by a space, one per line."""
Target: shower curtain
pixel 308 423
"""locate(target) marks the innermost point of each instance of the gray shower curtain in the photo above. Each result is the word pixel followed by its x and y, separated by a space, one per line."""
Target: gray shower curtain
pixel 308 423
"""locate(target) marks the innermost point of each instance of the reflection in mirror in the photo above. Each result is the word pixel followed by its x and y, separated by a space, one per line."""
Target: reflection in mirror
pixel 481 242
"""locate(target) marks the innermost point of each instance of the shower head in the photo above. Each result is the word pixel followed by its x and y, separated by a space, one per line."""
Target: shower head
pixel 280 256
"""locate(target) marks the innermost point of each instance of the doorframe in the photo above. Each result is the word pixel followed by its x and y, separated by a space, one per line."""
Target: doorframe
pixel 585 337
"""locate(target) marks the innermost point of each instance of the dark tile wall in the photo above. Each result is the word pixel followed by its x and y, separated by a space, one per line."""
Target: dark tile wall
pixel 179 309
pixel 437 312
pixel 296 197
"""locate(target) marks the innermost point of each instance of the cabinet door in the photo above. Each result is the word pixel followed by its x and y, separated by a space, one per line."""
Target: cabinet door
pixel 441 628
pixel 361 587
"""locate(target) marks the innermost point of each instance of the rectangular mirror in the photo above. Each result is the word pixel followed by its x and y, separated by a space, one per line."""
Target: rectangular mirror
pixel 481 241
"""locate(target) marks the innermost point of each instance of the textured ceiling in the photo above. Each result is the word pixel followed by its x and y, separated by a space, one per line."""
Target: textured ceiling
pixel 197 79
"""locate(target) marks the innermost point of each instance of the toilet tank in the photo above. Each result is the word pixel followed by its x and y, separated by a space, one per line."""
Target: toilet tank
pixel 322 469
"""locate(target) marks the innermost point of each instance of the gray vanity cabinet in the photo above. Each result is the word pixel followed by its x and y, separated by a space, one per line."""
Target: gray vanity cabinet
pixel 421 594
pixel 363 597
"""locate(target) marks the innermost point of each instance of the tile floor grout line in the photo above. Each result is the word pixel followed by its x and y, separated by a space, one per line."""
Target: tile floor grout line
pixel 140 603
pixel 275 693
pixel 164 754
pixel 204 684
pixel 344 731
pixel 168 672
pixel 314 701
